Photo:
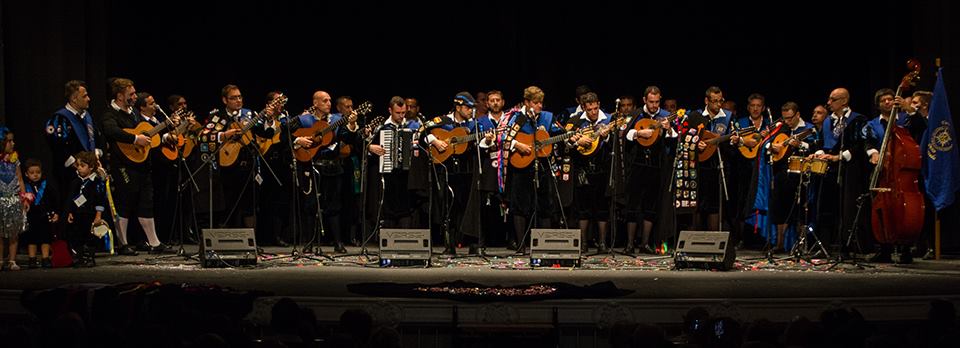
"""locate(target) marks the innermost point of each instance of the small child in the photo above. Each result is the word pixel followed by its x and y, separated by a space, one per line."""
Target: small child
pixel 41 216
pixel 12 204
pixel 84 207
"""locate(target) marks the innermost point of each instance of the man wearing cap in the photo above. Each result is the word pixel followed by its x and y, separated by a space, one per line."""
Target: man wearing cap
pixel 455 173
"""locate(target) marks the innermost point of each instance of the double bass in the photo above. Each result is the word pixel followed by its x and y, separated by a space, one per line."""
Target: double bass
pixel 897 216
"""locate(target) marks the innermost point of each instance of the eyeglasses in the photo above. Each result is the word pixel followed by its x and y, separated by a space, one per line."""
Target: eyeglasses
pixel 235 97
pixel 717 100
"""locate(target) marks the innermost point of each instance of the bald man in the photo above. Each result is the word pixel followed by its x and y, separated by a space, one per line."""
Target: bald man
pixel 843 147
pixel 320 183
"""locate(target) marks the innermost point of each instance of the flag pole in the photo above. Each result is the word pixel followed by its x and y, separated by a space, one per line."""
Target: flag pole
pixel 936 215
pixel 936 236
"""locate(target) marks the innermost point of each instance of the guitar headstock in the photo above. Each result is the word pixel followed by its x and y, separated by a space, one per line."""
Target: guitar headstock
pixel 279 101
pixel 276 105
pixel 363 109
pixel 373 123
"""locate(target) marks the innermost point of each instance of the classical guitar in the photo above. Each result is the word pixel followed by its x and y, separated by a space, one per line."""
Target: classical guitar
pixel 185 141
pixel 712 139
pixel 542 144
pixel 231 148
pixel 321 133
pixel 137 153
pixel 457 140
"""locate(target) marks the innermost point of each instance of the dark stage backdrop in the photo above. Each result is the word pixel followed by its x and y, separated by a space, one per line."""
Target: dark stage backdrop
pixel 372 51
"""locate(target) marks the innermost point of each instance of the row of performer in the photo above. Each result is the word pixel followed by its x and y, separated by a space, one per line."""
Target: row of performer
pixel 483 173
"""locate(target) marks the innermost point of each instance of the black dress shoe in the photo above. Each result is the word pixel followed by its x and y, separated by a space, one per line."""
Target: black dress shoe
pixel 127 250
pixel 904 258
pixel 629 249
pixel 881 257
pixel 646 249
pixel 904 255
pixel 449 251
pixel 33 262
pixel 158 249
pixel 339 248
pixel 512 246
pixel 474 249
pixel 602 247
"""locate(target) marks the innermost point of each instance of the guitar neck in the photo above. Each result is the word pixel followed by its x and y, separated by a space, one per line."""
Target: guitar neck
pixel 156 129
pixel 740 133
pixel 801 135
pixel 249 125
pixel 558 138
pixel 474 136
pixel 719 139
pixel 333 125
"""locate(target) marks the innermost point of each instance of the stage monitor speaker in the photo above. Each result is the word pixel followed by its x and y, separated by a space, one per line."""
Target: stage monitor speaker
pixel 405 247
pixel 704 250
pixel 224 247
pixel 554 248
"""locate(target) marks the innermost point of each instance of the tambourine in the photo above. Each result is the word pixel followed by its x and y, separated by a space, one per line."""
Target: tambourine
pixel 100 229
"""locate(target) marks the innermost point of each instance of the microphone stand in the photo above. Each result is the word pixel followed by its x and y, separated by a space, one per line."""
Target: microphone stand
pixel 210 161
pixel 481 248
pixel 367 141
pixel 363 189
pixel 258 158
pixel 521 250
pixel 445 225
pixel 178 220
pixel 723 185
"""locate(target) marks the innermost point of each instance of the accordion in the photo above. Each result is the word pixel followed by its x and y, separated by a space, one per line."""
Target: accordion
pixel 397 144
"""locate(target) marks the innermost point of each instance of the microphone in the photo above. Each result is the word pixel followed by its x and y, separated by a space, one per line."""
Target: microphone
pixel 161 111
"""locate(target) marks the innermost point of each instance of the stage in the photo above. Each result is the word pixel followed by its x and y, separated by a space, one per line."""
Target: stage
pixel 605 289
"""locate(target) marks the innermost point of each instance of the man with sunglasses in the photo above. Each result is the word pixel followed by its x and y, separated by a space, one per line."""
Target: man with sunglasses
pixel 842 145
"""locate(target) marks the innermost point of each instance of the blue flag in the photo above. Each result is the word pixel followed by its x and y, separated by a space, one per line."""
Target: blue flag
pixel 940 154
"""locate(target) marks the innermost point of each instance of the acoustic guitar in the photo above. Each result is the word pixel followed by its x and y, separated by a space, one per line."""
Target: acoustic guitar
pixel 185 141
pixel 457 140
pixel 541 142
pixel 593 133
pixel 136 153
pixel 230 150
pixel 321 133
pixel 654 124
pixel 712 139
pixel 783 140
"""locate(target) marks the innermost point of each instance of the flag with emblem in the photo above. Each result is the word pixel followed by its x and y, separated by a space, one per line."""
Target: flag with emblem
pixel 939 146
